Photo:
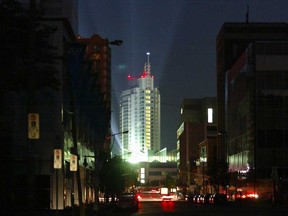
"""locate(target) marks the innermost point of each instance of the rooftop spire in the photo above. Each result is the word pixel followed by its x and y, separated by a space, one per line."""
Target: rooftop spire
pixel 147 67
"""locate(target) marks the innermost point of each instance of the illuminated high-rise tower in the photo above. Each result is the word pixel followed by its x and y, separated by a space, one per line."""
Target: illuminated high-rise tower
pixel 140 115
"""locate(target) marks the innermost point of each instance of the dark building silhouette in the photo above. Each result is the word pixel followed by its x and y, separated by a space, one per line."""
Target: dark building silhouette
pixel 252 86
pixel 72 121
pixel 196 139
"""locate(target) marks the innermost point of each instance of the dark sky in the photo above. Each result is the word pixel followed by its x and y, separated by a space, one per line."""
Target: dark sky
pixel 181 37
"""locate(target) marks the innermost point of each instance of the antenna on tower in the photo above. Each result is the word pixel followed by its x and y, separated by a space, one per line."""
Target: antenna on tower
pixel 247 14
pixel 148 54
pixel 147 69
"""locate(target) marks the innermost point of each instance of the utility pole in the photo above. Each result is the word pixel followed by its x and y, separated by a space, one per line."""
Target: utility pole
pixel 31 141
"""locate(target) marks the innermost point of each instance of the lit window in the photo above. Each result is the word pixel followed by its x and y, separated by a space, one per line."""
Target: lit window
pixel 210 115
pixel 142 175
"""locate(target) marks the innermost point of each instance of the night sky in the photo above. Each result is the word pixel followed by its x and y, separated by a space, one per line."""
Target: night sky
pixel 181 37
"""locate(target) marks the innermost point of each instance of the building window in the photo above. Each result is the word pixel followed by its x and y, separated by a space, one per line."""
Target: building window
pixel 210 115
pixel 203 157
pixel 142 175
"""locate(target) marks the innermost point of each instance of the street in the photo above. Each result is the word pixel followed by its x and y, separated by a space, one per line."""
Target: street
pixel 183 208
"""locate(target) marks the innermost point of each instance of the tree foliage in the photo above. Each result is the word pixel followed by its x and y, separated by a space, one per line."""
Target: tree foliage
pixel 131 178
pixel 115 175
pixel 218 173
pixel 112 180
pixel 169 182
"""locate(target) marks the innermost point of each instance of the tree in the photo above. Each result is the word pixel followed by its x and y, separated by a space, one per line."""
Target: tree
pixel 131 178
pixel 112 179
pixel 169 182
pixel 218 173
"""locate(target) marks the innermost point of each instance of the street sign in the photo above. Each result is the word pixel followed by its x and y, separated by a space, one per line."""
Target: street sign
pixel 57 159
pixel 33 126
pixel 73 163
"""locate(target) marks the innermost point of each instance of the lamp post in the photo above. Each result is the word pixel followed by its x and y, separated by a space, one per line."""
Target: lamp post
pixel 224 135
pixel 85 164
pixel 113 140
pixel 116 42
pixel 96 168
pixel 224 139
pixel 203 160
pixel 97 164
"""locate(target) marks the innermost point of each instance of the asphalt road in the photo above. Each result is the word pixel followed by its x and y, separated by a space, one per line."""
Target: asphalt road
pixel 183 208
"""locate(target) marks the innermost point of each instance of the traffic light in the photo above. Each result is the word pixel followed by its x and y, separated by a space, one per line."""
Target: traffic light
pixel 73 163
pixel 33 126
pixel 57 159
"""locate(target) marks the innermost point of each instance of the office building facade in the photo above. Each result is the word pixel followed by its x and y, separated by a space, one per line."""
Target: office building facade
pixel 46 141
pixel 198 125
pixel 140 115
pixel 252 75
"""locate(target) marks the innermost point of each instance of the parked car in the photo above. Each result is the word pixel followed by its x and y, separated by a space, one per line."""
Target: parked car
pixel 127 201
pixel 167 197
pixel 196 198
pixel 181 196
pixel 218 198
pixel 205 199
pixel 189 197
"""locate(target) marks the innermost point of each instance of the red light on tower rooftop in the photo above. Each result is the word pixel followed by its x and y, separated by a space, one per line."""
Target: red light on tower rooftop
pixel 146 72
pixel 131 77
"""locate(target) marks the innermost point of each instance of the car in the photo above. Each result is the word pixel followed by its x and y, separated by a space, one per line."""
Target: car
pixel 189 197
pixel 201 198
pixel 205 199
pixel 181 196
pixel 218 198
pixel 167 197
pixel 127 201
pixel 196 198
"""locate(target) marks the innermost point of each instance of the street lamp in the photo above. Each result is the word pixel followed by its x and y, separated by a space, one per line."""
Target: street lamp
pixel 116 42
pixel 113 141
pixel 203 160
